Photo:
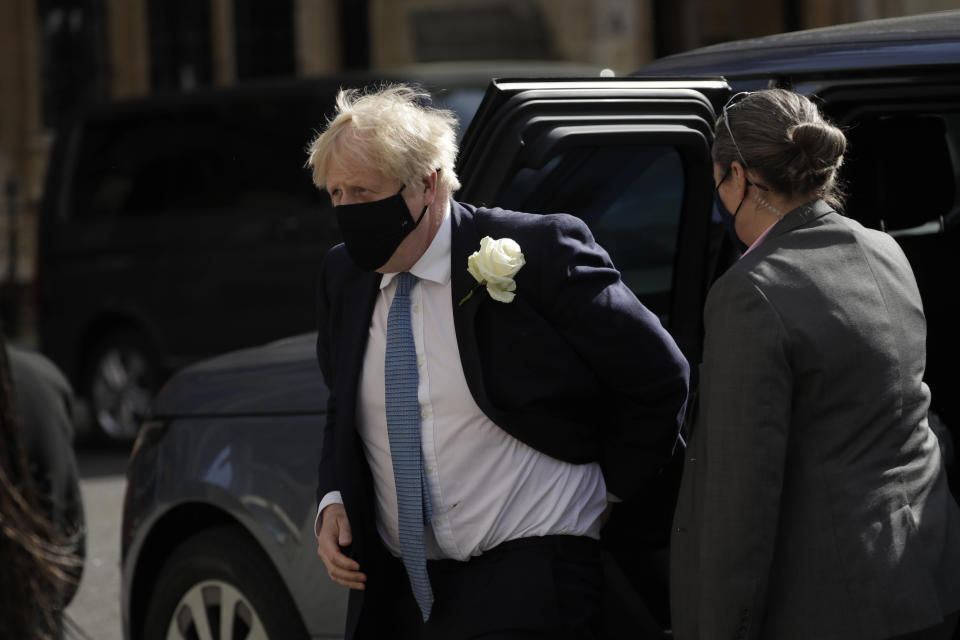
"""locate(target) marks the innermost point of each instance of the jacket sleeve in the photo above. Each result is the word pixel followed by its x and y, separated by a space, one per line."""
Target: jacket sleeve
pixel 739 446
pixel 636 360
pixel 327 467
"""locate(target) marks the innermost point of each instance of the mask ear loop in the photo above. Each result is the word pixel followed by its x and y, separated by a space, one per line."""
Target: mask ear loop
pixel 416 223
pixel 425 207
pixel 422 213
pixel 743 163
pixel 725 176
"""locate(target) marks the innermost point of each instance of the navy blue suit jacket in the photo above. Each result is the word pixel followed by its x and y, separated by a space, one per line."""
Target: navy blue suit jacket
pixel 575 366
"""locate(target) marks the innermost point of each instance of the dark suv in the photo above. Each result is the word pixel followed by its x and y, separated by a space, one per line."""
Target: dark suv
pixel 229 452
pixel 180 226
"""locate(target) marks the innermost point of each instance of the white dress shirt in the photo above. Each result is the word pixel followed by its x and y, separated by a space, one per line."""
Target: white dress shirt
pixel 486 486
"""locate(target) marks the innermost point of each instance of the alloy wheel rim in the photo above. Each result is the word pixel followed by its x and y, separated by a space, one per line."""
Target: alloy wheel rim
pixel 215 610
pixel 120 392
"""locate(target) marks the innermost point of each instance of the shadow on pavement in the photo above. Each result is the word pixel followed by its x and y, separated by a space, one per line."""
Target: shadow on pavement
pixel 99 460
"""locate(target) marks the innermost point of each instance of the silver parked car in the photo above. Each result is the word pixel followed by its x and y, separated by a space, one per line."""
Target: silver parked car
pixel 219 511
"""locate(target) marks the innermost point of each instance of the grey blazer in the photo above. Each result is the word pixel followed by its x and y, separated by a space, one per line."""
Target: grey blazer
pixel 814 504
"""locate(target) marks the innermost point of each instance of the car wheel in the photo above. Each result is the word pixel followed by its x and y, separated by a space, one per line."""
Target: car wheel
pixel 121 377
pixel 219 585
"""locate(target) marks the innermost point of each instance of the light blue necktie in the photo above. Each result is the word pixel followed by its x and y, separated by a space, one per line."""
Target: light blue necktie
pixel 403 427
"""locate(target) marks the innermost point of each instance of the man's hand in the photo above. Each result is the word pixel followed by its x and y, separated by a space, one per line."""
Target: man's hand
pixel 334 534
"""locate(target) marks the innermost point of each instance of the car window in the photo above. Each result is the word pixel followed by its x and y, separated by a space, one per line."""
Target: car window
pixel 631 196
pixel 899 158
pixel 237 158
pixel 902 175
pixel 463 102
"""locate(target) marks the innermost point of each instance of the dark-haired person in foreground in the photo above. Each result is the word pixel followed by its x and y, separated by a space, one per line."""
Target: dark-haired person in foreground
pixel 814 503
pixel 491 380
pixel 41 515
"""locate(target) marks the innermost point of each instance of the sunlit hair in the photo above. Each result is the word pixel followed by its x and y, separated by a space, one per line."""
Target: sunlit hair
pixel 391 129
pixel 782 137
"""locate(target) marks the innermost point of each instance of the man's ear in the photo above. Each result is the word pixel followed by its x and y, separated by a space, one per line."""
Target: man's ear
pixel 430 186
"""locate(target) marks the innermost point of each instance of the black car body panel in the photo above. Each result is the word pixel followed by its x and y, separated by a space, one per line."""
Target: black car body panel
pixel 893 45
pixel 244 383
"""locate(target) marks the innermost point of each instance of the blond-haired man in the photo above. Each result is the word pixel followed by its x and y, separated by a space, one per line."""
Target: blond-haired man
pixel 492 381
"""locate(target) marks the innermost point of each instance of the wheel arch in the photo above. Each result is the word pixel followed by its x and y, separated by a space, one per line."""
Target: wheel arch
pixel 171 530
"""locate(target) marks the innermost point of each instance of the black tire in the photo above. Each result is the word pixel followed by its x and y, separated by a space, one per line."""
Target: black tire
pixel 121 374
pixel 211 565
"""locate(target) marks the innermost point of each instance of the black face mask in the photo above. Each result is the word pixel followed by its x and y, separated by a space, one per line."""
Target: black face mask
pixel 372 231
pixel 728 219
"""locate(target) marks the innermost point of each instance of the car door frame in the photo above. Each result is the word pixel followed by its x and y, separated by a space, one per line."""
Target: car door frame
pixel 523 123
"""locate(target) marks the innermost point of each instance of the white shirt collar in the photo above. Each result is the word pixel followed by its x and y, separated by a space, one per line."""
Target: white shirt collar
pixel 434 264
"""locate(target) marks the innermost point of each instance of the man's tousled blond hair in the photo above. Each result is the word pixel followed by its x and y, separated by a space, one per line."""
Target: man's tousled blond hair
pixel 393 131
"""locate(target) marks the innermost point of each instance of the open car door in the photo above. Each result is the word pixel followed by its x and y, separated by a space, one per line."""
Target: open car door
pixel 631 157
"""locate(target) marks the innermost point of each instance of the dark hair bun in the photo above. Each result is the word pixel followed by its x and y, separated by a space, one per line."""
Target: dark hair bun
pixel 822 144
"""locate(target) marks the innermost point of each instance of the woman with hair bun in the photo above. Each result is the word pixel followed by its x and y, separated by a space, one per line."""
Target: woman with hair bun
pixel 814 503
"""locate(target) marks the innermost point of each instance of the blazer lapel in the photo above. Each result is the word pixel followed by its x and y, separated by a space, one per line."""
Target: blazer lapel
pixel 466 240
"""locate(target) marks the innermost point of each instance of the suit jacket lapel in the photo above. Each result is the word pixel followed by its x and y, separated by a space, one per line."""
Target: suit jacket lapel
pixel 466 240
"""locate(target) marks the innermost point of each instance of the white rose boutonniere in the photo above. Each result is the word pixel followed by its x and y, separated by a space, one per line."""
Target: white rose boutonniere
pixel 494 265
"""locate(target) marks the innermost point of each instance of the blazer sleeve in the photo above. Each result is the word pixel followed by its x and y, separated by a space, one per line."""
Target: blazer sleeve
pixel 327 467
pixel 640 367
pixel 739 450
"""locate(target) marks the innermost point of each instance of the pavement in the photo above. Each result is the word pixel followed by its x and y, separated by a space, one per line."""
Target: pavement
pixel 95 609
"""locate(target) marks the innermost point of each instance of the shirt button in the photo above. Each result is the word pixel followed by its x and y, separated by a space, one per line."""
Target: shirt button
pixel 429 469
pixel 416 308
pixel 419 362
pixel 424 413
